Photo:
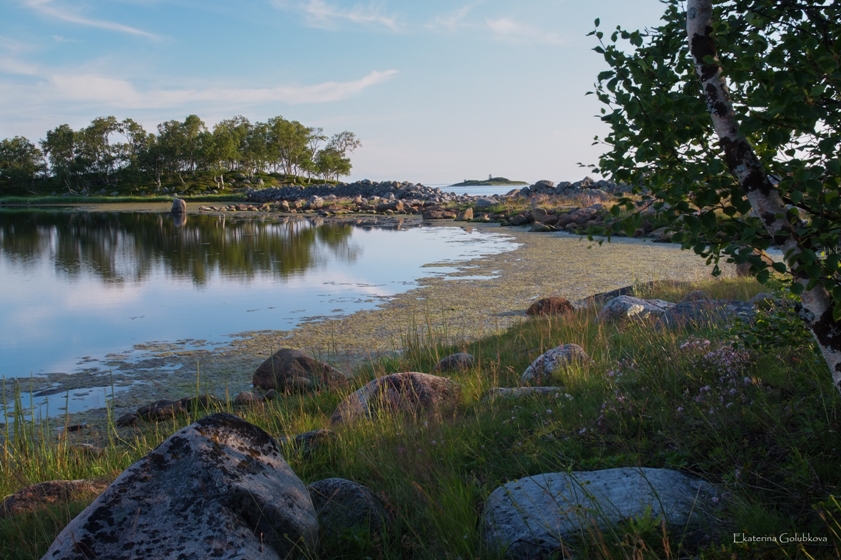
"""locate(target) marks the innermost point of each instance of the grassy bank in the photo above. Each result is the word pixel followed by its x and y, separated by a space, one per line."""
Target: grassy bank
pixel 762 423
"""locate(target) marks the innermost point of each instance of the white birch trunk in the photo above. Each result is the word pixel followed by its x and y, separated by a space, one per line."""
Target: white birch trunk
pixel 745 166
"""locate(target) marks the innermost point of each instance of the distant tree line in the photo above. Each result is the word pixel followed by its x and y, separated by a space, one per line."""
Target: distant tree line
pixel 112 152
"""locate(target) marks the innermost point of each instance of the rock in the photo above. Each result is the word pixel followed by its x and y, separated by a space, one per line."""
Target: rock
pixel 179 206
pixel 540 228
pixel 343 506
pixel 552 305
pixel 455 362
pixel 315 202
pixel 696 295
pixel 308 442
pixel 707 312
pixel 202 402
pixel 530 517
pixel 662 234
pixel 465 216
pixel 38 496
pixel 161 409
pixel 219 488
pixel 483 203
pixel 247 397
pixel 127 419
pixel 519 220
pixel 623 308
pixel 553 361
pixel 393 205
pixel 764 299
pixel 409 392
pixel 292 370
pixel 521 392
pixel 542 184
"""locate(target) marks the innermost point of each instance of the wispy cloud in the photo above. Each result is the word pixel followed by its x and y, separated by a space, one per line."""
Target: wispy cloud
pixel 454 20
pixel 510 30
pixel 321 14
pixel 95 87
pixel 49 9
pixel 123 93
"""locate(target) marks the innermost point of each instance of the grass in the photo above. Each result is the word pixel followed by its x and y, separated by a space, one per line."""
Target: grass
pixel 763 425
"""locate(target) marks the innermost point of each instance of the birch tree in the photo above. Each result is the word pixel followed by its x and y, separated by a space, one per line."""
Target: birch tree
pixel 750 159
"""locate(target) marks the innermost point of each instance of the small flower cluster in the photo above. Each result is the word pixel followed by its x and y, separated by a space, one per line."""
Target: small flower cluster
pixel 729 364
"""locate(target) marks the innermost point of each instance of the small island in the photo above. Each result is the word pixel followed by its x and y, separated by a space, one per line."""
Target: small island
pixel 490 181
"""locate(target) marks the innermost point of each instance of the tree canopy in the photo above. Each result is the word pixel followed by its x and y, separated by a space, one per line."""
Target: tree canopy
pixel 735 130
pixel 109 151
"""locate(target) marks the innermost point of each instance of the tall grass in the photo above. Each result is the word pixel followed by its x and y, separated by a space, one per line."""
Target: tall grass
pixel 763 427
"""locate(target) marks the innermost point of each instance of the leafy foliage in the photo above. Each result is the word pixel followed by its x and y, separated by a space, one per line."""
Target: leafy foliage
pixel 109 152
pixel 781 60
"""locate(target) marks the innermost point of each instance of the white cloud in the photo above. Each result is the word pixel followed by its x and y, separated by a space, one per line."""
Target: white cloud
pixel 454 20
pixel 319 13
pixel 510 30
pixel 122 93
pixel 47 8
pixel 95 87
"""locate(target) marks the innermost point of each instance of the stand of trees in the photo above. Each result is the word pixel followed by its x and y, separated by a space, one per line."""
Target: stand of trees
pixel 110 153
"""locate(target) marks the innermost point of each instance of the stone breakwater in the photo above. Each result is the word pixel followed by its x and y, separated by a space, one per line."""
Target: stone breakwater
pixel 397 190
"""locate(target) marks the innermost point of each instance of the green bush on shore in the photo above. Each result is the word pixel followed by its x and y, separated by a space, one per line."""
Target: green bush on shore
pixel 761 424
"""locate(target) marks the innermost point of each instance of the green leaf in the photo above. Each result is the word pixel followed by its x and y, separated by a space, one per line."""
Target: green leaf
pixel 779 267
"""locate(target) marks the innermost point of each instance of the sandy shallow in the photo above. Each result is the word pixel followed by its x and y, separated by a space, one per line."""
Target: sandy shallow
pixel 485 295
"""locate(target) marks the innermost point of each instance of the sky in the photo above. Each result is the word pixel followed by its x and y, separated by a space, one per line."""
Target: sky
pixel 437 91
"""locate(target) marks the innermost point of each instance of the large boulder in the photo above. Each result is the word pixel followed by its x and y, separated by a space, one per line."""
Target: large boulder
pixel 529 518
pixel 552 305
pixel 179 206
pixel 409 392
pixel 554 361
pixel 706 312
pixel 219 488
pixel 343 506
pixel 623 308
pixel 292 370
pixel 43 494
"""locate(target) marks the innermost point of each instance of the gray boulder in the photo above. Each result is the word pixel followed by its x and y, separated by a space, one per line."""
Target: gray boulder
pixel 554 361
pixel 623 308
pixel 219 488
pixel 295 371
pixel 179 206
pixel 343 505
pixel 529 518
pixel 407 392
pixel 707 312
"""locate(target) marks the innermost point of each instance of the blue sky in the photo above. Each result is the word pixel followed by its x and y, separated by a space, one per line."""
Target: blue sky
pixel 437 91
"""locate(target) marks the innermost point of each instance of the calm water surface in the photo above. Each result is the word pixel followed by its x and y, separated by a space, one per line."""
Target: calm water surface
pixel 76 286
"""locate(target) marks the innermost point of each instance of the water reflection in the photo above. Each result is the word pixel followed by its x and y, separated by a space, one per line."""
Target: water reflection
pixel 120 247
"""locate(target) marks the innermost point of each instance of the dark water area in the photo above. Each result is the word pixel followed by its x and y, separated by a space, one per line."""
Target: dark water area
pixel 76 286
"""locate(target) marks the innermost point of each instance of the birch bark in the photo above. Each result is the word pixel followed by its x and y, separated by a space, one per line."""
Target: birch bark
pixel 816 309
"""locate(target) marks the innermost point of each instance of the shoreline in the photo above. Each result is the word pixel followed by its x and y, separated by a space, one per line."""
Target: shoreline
pixel 482 296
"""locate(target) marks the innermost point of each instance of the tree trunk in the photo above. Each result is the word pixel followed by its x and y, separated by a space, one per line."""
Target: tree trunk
pixel 816 308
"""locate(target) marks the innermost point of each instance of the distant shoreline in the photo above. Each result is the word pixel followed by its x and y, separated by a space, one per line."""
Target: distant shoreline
pixel 490 182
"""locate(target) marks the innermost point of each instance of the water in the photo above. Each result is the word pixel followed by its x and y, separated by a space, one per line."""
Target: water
pixel 78 286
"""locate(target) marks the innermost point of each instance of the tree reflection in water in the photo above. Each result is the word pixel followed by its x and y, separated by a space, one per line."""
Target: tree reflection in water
pixel 123 246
